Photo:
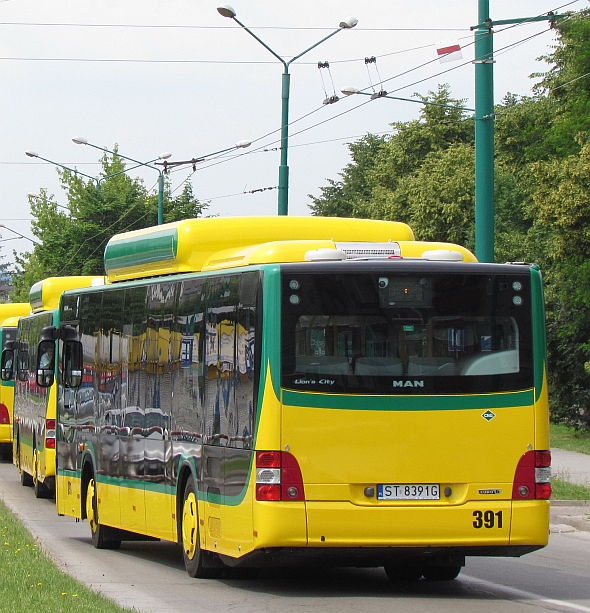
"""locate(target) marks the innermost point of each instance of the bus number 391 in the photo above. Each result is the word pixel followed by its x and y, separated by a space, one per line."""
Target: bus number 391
pixel 487 519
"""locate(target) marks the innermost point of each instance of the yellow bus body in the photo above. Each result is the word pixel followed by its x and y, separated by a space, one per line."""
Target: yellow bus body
pixel 469 444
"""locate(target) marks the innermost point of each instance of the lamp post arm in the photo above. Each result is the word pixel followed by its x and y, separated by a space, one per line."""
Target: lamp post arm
pixel 19 234
pixel 124 157
pixel 67 168
pixel 314 46
pixel 386 95
pixel 260 41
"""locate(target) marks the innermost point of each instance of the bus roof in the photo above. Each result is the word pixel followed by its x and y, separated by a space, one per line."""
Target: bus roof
pixel 216 243
pixel 11 322
pixel 44 295
pixel 13 309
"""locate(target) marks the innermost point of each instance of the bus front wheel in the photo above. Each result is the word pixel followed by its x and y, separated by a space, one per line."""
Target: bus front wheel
pixel 102 536
pixel 193 556
pixel 442 573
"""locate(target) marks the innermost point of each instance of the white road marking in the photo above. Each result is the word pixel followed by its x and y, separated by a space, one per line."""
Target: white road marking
pixel 525 595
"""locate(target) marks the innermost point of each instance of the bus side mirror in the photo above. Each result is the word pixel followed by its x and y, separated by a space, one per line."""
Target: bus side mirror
pixel 7 365
pixel 46 363
pixel 72 364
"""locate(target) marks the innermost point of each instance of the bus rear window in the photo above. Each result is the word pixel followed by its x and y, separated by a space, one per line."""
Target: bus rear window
pixel 406 333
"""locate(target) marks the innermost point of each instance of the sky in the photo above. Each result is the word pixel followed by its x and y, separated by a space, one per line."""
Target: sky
pixel 155 76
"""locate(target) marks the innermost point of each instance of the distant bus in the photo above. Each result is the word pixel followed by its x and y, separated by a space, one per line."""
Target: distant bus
pixel 33 441
pixel 300 391
pixel 9 314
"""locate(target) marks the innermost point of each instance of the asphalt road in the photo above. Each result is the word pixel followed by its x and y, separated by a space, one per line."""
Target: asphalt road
pixel 150 576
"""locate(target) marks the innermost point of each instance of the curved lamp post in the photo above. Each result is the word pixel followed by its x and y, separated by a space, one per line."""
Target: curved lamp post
pixel 79 140
pixel 227 11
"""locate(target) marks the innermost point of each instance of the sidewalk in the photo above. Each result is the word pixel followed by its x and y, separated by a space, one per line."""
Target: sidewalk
pixel 570 515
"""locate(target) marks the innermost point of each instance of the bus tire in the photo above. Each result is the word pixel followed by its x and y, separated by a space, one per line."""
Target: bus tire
pixel 193 556
pixel 103 537
pixel 6 453
pixel 442 573
pixel 26 480
pixel 404 573
pixel 40 489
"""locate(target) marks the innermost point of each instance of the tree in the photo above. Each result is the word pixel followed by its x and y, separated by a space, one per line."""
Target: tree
pixel 567 83
pixel 338 197
pixel 72 238
pixel 562 231
pixel 380 164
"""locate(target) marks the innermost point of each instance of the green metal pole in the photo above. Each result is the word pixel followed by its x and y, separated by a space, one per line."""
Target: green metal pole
pixel 161 199
pixel 484 137
pixel 284 167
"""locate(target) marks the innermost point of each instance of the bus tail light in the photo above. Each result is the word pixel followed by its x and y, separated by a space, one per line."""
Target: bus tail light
pixel 532 480
pixel 4 416
pixel 50 434
pixel 278 476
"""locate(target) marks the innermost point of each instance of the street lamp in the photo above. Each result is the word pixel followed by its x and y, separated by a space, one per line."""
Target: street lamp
pixel 79 140
pixel 226 10
pixel 350 91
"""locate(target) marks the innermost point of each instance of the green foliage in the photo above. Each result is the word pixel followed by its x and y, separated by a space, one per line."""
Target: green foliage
pixel 567 83
pixel 338 197
pixel 563 220
pixel 72 238
pixel 566 437
pixel 563 490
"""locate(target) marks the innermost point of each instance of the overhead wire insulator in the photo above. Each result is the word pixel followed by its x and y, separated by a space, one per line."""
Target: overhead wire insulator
pixel 373 60
pixel 328 98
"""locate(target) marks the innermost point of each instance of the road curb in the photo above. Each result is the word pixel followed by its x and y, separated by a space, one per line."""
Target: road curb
pixel 574 513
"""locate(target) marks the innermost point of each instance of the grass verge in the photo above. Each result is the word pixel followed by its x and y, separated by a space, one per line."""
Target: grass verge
pixel 565 437
pixel 31 582
pixel 562 490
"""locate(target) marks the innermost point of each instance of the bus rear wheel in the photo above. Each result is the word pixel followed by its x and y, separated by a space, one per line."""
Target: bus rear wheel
pixel 40 489
pixel 442 573
pixel 103 537
pixel 193 556
pixel 25 479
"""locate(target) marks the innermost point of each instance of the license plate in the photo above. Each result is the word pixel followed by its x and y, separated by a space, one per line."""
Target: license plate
pixel 408 491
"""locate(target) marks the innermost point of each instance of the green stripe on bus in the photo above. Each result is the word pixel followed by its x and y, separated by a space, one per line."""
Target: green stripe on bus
pixel 143 249
pixel 408 403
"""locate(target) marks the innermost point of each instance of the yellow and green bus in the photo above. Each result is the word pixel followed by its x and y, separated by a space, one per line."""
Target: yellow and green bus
pixel 298 391
pixel 9 315
pixel 33 440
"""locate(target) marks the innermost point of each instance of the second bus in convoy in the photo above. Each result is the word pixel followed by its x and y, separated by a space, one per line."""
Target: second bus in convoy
pixel 294 391
pixel 34 405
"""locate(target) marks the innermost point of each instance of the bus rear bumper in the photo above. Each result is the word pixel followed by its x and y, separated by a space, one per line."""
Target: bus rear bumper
pixel 365 557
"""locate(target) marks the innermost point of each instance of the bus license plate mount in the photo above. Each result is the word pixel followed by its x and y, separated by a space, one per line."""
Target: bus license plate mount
pixel 408 491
